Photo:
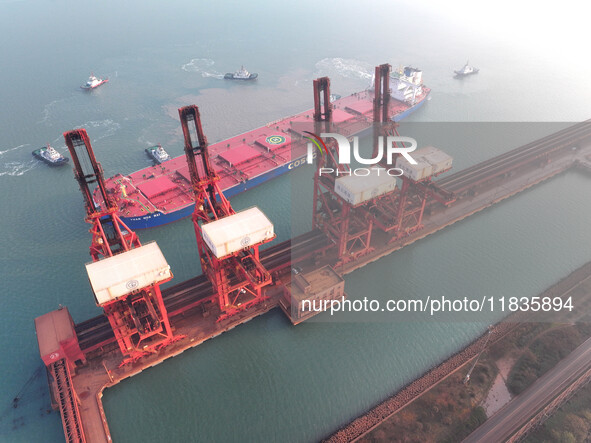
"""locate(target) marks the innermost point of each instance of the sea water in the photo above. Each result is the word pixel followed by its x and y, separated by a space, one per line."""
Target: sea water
pixel 267 380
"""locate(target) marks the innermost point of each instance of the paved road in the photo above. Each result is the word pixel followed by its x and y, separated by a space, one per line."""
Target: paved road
pixel 517 412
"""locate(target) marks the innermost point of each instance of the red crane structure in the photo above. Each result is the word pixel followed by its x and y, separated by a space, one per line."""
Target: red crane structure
pixel 401 213
pixel 348 207
pixel 349 230
pixel 125 276
pixel 228 241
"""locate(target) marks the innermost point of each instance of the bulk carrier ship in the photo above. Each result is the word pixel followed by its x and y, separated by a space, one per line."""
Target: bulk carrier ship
pixel 162 193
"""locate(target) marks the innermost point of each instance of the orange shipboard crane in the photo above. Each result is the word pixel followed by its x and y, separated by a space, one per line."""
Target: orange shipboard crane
pixel 228 241
pixel 125 276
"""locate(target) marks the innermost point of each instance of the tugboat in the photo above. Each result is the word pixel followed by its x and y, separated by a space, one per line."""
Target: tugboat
pixel 241 74
pixel 94 82
pixel 50 156
pixel 466 70
pixel 158 154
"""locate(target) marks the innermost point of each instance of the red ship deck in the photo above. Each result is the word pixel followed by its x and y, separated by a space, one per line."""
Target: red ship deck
pixel 166 187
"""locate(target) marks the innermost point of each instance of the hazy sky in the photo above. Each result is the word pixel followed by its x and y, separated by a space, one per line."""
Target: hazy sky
pixel 537 26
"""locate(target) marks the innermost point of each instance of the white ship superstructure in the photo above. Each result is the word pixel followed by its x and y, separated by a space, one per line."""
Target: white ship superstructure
pixel 407 84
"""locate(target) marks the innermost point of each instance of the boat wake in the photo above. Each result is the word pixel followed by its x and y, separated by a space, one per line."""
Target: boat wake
pixel 144 141
pixel 203 66
pixel 16 169
pixel 48 111
pixel 104 128
pixel 12 149
pixel 344 67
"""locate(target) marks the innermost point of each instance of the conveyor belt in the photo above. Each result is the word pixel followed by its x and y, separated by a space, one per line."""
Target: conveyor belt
pixel 67 402
pixel 517 157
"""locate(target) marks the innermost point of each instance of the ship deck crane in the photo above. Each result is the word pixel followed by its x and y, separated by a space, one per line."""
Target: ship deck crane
pixel 228 241
pixel 125 276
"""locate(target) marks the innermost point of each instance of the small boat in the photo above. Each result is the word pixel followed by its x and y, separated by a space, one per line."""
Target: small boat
pixel 466 70
pixel 94 82
pixel 50 156
pixel 241 74
pixel 158 154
